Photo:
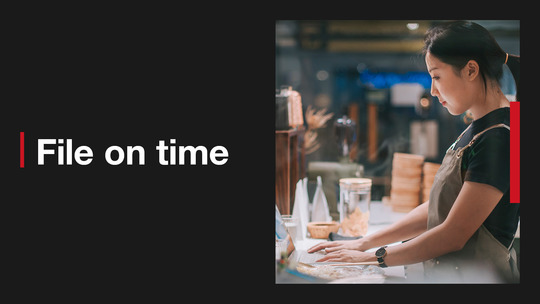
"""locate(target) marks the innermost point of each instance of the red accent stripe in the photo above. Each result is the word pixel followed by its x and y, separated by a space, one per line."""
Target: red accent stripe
pixel 514 152
pixel 22 150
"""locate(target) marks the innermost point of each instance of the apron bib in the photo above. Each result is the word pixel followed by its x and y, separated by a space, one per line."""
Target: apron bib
pixel 483 258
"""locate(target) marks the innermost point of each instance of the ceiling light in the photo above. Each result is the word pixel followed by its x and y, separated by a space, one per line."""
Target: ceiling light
pixel 322 75
pixel 412 26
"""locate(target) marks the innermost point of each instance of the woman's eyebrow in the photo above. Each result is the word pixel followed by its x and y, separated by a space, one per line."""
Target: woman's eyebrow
pixel 434 68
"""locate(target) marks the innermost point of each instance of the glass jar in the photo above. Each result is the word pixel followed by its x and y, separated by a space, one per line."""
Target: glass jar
pixel 293 226
pixel 354 205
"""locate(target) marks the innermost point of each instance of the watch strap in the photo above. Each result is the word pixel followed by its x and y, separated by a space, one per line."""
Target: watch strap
pixel 380 258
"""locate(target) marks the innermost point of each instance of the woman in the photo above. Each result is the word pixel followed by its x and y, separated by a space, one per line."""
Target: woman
pixel 468 224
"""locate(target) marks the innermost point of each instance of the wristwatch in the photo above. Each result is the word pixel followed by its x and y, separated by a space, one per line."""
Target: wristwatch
pixel 380 254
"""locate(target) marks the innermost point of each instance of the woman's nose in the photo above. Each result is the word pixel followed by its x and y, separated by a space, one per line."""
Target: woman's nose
pixel 434 91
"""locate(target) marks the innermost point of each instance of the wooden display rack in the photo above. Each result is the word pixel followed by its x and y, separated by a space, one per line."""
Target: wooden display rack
pixel 290 156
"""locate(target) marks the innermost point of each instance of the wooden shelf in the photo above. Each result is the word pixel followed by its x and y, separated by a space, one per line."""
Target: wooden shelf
pixel 290 167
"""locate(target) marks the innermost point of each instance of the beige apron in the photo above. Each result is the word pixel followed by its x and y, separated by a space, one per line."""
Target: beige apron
pixel 483 258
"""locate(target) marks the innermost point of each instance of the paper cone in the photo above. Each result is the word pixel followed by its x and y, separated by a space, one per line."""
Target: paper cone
pixel 320 212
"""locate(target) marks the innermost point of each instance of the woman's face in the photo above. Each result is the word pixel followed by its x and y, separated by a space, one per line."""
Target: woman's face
pixel 452 90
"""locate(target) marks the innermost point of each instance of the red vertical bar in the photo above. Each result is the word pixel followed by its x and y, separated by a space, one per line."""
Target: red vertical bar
pixel 22 150
pixel 514 152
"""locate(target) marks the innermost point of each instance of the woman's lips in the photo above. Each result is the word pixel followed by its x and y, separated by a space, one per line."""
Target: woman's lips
pixel 443 103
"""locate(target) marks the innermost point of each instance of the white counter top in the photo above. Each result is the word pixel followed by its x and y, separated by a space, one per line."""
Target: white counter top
pixel 381 216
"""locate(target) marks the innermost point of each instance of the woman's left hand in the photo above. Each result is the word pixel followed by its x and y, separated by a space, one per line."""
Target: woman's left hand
pixel 349 255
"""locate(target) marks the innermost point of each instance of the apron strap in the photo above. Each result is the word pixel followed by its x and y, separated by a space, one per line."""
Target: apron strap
pixel 513 239
pixel 460 152
pixel 459 137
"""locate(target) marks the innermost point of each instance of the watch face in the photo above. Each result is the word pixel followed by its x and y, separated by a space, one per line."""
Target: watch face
pixel 380 252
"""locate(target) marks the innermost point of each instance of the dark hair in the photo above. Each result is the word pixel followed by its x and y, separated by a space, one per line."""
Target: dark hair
pixel 457 42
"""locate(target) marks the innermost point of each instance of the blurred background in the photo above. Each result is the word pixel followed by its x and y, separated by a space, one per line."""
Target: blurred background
pixel 373 73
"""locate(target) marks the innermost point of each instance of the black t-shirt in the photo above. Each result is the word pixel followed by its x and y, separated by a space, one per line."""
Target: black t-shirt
pixel 487 161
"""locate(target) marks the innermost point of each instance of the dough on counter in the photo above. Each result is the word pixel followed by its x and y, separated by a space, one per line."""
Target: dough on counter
pixel 341 272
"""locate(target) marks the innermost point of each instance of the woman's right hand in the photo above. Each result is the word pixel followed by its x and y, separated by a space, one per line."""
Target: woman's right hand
pixel 337 245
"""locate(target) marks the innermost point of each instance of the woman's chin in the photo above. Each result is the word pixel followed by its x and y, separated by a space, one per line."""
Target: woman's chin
pixel 455 112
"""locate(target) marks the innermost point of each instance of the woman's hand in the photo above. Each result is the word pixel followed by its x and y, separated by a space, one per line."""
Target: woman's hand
pixel 349 255
pixel 336 245
pixel 343 251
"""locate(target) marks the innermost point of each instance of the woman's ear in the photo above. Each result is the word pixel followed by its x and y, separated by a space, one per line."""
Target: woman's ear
pixel 471 70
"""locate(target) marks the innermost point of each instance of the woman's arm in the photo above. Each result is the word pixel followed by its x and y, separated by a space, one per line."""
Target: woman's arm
pixel 413 224
pixel 410 226
pixel 473 205
pixel 471 208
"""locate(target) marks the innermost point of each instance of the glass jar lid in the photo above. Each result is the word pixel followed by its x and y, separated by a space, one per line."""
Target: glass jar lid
pixel 353 183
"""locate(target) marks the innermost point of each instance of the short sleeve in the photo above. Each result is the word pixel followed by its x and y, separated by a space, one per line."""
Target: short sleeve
pixel 488 160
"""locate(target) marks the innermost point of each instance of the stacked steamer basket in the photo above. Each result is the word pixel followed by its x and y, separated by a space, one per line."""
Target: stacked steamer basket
pixel 430 169
pixel 406 181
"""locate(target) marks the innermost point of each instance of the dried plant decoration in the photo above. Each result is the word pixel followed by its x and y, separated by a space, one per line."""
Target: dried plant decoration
pixel 315 120
pixel 310 142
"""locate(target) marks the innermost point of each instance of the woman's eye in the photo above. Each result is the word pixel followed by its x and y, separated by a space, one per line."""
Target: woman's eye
pixel 435 77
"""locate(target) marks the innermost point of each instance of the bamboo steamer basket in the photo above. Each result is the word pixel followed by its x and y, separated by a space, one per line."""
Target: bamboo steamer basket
pixel 411 181
pixel 321 230
pixel 431 168
pixel 405 195
pixel 406 185
pixel 425 195
pixel 408 159
pixel 428 180
pixel 407 165
pixel 404 164
pixel 429 171
pixel 405 199
pixel 406 172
